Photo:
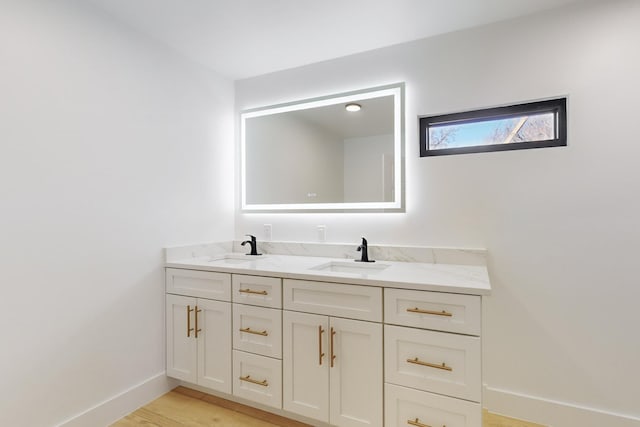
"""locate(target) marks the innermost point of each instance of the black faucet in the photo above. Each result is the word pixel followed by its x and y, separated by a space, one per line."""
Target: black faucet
pixel 365 252
pixel 253 243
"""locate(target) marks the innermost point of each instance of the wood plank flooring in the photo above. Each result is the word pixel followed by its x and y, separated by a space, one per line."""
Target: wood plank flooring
pixel 185 407
pixel 495 420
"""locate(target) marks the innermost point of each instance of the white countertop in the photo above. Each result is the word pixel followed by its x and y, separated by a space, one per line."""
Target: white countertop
pixel 462 279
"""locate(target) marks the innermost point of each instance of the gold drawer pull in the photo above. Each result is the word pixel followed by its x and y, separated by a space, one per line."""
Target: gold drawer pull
pixel 251 291
pixel 417 361
pixel 196 315
pixel 417 423
pixel 332 357
pixel 249 331
pixel 435 313
pixel 320 353
pixel 248 379
pixel 189 328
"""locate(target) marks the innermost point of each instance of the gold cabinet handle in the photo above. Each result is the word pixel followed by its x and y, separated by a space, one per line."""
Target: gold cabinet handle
pixel 250 291
pixel 333 356
pixel 189 328
pixel 417 361
pixel 320 353
pixel 250 331
pixel 435 313
pixel 417 423
pixel 248 379
pixel 196 315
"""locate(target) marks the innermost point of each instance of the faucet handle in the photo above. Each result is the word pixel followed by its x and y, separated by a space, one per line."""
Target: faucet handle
pixel 253 243
pixel 365 252
pixel 363 245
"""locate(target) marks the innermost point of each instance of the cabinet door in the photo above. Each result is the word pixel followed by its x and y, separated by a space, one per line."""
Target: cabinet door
pixel 406 406
pixel 433 361
pixel 257 330
pixel 181 341
pixel 214 344
pixel 433 310
pixel 356 384
pixel 257 378
pixel 257 290
pixel 306 364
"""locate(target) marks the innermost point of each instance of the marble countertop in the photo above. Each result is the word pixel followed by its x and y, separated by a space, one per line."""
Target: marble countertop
pixel 462 279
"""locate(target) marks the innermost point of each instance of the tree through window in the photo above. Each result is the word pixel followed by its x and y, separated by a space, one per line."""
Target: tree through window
pixel 532 125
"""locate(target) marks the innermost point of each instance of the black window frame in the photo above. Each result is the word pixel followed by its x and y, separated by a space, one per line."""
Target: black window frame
pixel 558 106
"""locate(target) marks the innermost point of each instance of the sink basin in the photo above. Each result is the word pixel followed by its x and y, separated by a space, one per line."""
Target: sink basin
pixel 235 258
pixel 351 267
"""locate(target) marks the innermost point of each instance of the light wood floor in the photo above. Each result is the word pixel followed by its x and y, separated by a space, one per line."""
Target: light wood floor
pixel 185 407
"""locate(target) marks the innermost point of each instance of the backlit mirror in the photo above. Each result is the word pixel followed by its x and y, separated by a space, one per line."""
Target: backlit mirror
pixel 341 153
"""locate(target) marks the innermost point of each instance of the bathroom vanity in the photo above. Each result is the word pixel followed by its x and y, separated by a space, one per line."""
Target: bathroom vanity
pixel 325 340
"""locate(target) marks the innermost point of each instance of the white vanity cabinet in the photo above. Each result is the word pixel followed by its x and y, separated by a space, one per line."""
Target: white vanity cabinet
pixel 364 354
pixel 432 359
pixel 332 366
pixel 199 329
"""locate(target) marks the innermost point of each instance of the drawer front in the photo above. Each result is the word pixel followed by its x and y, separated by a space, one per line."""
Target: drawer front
pixel 407 407
pixel 333 299
pixel 203 284
pixel 433 310
pixel 414 358
pixel 256 290
pixel 257 330
pixel 257 378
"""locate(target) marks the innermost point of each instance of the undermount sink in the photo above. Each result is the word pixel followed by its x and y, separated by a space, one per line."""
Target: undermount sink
pixel 235 258
pixel 351 267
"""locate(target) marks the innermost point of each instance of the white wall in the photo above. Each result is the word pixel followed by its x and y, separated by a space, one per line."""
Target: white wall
pixel 111 148
pixel 561 224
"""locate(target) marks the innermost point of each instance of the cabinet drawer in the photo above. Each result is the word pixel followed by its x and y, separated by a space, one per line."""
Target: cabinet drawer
pixel 257 378
pixel 203 284
pixel 415 358
pixel 407 407
pixel 332 299
pixel 256 290
pixel 257 330
pixel 433 310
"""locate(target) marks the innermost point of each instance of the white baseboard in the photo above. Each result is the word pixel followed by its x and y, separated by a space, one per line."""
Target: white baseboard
pixel 122 404
pixel 551 413
pixel 542 411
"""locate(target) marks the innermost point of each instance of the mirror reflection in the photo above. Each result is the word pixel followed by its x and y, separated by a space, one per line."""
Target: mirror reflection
pixel 342 152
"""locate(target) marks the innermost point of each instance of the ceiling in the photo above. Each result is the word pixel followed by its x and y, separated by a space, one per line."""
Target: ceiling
pixel 245 38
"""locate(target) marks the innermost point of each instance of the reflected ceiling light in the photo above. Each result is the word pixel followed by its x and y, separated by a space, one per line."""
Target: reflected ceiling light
pixel 353 107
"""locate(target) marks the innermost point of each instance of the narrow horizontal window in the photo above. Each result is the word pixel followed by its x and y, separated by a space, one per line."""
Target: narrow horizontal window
pixel 531 125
